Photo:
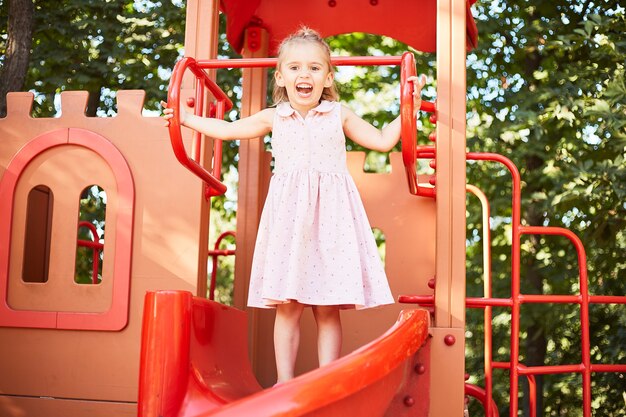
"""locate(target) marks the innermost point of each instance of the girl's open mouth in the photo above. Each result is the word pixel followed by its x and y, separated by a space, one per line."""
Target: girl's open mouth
pixel 304 89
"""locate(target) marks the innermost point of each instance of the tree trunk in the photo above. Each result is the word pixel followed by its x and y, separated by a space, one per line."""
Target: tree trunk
pixel 92 103
pixel 19 40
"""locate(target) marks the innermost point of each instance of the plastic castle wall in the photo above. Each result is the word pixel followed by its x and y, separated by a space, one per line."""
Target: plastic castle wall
pixel 94 372
pixel 72 349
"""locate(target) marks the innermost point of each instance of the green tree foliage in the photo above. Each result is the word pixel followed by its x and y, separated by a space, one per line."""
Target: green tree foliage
pixel 545 88
pixel 102 47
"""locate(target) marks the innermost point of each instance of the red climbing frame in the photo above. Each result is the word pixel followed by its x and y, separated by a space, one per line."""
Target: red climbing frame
pixel 517 369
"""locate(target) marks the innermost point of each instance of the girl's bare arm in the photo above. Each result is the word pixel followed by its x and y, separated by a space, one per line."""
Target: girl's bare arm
pixel 254 126
pixel 369 136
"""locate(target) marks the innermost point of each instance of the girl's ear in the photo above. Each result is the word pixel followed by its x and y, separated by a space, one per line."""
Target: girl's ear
pixel 329 80
pixel 278 77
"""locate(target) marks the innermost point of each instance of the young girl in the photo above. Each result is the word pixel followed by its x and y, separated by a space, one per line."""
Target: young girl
pixel 314 246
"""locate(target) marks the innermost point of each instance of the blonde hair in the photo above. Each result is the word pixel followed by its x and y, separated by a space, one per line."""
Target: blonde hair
pixel 304 34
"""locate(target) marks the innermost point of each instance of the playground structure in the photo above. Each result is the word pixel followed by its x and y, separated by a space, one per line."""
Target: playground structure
pixel 169 353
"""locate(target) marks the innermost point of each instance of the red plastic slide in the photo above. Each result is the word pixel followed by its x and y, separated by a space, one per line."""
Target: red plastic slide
pixel 194 362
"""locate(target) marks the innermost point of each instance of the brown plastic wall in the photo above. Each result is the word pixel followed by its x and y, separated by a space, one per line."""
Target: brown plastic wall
pixel 65 373
pixel 92 372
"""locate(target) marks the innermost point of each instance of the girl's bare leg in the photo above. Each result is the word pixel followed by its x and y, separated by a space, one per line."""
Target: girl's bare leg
pixel 328 333
pixel 287 338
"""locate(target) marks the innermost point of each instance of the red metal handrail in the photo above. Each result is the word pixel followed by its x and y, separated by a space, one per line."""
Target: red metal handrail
pixel 481 395
pixel 203 80
pixel 409 125
pixel 198 67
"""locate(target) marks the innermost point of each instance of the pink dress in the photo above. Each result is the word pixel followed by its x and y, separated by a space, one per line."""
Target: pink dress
pixel 314 243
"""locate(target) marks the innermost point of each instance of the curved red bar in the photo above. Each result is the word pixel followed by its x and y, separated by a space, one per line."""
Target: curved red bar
pixel 176 137
pixel 481 395
pixel 409 125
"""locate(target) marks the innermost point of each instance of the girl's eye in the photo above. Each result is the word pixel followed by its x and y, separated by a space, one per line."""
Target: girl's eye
pixel 293 68
pixel 315 68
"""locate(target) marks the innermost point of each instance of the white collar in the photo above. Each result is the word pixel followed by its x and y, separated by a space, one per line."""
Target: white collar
pixel 284 109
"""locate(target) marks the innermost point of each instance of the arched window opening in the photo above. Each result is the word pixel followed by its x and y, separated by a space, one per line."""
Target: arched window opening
pixel 90 244
pixel 38 232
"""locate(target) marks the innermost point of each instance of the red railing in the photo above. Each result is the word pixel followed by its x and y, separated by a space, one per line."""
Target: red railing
pixel 517 369
pixel 202 81
pixel 214 254
pixel 481 395
pixel 95 246
pixel 409 126
pixel 223 104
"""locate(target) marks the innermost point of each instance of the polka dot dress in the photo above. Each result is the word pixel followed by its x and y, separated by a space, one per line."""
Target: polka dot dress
pixel 314 243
